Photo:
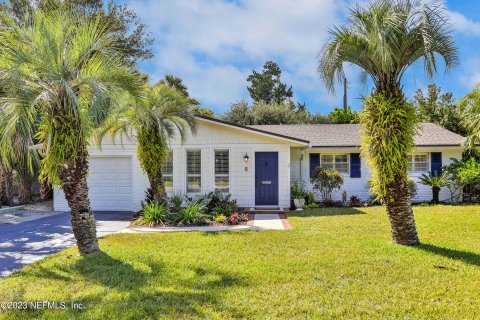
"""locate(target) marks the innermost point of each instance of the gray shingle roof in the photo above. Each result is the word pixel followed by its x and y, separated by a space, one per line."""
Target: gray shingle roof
pixel 348 135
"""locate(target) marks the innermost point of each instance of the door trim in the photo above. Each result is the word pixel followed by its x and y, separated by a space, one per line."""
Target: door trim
pixel 278 180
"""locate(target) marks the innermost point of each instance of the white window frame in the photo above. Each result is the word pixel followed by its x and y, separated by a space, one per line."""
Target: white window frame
pixel 165 175
pixel 215 175
pixel 187 175
pixel 334 163
pixel 412 164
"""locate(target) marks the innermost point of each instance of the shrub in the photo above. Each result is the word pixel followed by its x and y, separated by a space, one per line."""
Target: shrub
pixel 233 219
pixel 355 201
pixel 219 218
pixel 192 213
pixel 311 198
pixel 149 196
pixel 464 177
pixel 297 189
pixel 217 200
pixel 154 214
pixel 176 202
pixel 326 180
pixel 243 217
pixel 312 205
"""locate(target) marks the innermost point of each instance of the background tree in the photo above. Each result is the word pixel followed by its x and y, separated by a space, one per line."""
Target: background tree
pixel 177 83
pixel 239 113
pixel 132 38
pixel 384 38
pixel 266 86
pixel 439 108
pixel 470 118
pixel 66 69
pixel 163 113
pixel 340 116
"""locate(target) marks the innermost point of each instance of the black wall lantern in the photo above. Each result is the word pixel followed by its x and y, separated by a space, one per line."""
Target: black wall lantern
pixel 246 158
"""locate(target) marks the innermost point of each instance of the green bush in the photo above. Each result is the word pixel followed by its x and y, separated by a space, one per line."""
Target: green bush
pixel 311 198
pixel 219 218
pixel 297 189
pixel 176 202
pixel 154 214
pixel 216 200
pixel 191 214
pixel 326 180
pixel 312 205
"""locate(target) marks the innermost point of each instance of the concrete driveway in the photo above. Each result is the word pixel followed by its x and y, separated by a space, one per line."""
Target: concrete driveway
pixel 24 243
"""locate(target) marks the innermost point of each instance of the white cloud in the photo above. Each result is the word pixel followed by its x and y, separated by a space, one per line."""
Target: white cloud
pixel 464 25
pixel 470 76
pixel 213 45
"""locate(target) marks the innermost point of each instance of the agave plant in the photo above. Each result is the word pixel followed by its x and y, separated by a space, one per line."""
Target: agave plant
pixel 436 181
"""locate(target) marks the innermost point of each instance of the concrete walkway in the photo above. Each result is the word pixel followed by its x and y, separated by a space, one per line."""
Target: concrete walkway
pixel 26 242
pixel 268 221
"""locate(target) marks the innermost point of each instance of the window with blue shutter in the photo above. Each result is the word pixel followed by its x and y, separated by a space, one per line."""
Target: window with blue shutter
pixel 314 162
pixel 436 164
pixel 355 165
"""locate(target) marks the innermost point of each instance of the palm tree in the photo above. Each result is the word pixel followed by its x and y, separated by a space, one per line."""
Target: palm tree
pixel 436 181
pixel 470 110
pixel 66 70
pixel 384 38
pixel 15 146
pixel 164 112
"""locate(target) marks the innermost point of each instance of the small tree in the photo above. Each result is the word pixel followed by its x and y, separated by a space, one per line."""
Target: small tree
pixel 326 181
pixel 463 178
pixel 436 181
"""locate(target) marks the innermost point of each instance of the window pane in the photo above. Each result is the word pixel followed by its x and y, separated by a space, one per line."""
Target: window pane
pixel 194 162
pixel 167 167
pixel 221 162
pixel 341 158
pixel 194 172
pixel 221 171
pixel 168 183
pixel 421 158
pixel 327 158
pixel 342 167
pixel 327 165
pixel 194 184
pixel 420 167
pixel 221 184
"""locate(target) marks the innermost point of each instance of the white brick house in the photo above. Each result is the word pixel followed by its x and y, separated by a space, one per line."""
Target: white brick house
pixel 254 164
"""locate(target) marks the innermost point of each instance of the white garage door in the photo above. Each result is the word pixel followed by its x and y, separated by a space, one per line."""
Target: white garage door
pixel 110 183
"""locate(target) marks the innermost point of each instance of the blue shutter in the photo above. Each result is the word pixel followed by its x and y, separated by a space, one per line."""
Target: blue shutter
pixel 314 162
pixel 436 164
pixel 355 165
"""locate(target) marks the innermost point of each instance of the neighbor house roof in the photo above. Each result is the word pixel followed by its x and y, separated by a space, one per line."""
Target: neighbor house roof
pixel 348 135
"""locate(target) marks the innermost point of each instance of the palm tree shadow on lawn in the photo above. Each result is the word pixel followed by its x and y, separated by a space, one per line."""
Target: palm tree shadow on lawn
pixel 326 212
pixel 467 257
pixel 145 286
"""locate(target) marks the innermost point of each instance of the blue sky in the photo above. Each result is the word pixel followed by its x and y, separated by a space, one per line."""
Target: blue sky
pixel 213 45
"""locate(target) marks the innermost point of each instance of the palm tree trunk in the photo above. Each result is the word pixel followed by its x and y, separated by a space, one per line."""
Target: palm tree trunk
pixel 157 184
pixel 45 190
pixel 400 213
pixel 9 186
pixel 436 194
pixel 75 187
pixel 24 193
pixel 3 192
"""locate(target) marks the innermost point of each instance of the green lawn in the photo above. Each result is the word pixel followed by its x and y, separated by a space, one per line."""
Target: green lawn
pixel 335 263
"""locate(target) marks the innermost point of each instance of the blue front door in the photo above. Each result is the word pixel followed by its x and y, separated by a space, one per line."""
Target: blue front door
pixel 266 178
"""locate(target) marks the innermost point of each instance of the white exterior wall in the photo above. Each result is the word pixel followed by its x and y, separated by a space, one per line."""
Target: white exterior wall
pixel 358 186
pixel 210 136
